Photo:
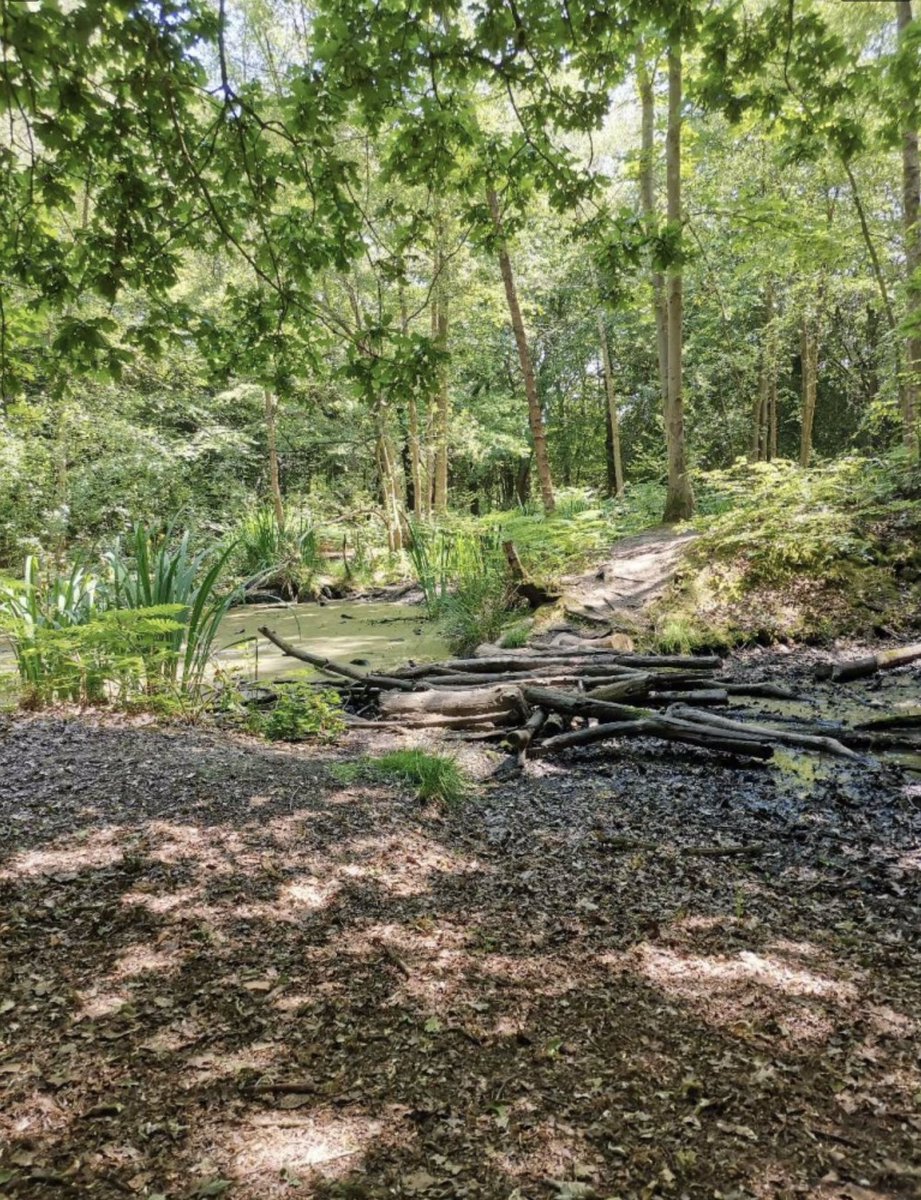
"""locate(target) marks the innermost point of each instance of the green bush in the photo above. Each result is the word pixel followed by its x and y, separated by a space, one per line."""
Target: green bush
pixel 479 609
pixel 148 571
pixel 119 656
pixel 280 558
pixel 299 713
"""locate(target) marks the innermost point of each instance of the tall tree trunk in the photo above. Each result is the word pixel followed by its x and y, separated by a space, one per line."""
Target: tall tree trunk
pixel 412 405
pixel 443 398
pixel 613 419
pixel 809 358
pixel 535 416
pixel 679 500
pixel 763 434
pixel 911 209
pixel 878 274
pixel 648 205
pixel 391 488
pixel 271 437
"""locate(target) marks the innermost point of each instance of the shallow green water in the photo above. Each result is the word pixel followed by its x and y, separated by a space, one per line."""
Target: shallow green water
pixel 384 634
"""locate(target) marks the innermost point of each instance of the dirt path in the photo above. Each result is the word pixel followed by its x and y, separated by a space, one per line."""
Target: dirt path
pixel 229 969
pixel 637 571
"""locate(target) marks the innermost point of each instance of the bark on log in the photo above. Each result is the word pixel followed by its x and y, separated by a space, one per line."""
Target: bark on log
pixel 861 668
pixel 909 719
pixel 521 739
pixel 575 705
pixel 785 737
pixel 336 668
pixel 457 703
pixel 711 697
pixel 664 730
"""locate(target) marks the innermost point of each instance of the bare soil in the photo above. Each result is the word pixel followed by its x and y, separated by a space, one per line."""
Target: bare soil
pixel 636 572
pixel 225 971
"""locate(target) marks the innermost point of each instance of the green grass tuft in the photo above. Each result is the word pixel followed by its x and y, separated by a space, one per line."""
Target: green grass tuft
pixel 434 776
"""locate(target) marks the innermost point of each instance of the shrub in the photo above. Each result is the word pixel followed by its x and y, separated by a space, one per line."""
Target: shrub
pixel 300 712
pixel 281 558
pixel 118 655
pixel 148 572
pixel 479 609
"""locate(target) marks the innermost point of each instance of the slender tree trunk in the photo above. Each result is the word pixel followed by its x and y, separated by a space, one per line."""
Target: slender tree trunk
pixel 911 209
pixel 772 411
pixel 679 501
pixel 271 437
pixel 809 358
pixel 443 398
pixel 762 433
pixel 535 416
pixel 613 419
pixel 648 204
pixel 412 406
pixel 391 489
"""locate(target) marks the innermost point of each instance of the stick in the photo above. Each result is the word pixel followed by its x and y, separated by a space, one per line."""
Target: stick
pixel 860 668
pixel 669 731
pixel 335 668
pixel 784 736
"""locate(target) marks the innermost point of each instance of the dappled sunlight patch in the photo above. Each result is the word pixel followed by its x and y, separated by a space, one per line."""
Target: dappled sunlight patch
pixel 181 900
pixel 741 993
pixel 273 1150
pixel 403 866
pixel 36 1113
pixel 101 848
pixel 689 973
pixel 141 959
pixel 214 848
pixel 98 1003
pixel 306 894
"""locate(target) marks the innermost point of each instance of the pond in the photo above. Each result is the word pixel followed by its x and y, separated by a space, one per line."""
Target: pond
pixel 383 634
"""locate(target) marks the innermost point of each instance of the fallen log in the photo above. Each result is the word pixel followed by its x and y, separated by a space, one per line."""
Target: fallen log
pixel 690 662
pixel 669 731
pixel 861 668
pixel 766 691
pixel 784 737
pixel 711 697
pixel 336 668
pixel 521 739
pixel 575 704
pixel 473 702
pixel 909 719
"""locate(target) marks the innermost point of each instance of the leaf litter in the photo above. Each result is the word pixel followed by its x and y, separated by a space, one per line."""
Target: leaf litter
pixel 226 973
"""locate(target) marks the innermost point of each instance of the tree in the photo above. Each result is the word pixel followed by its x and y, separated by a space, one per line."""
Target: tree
pixel 535 413
pixel 679 500
pixel 911 213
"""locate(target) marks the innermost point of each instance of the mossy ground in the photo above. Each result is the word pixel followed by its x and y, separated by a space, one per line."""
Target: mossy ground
pixel 798 556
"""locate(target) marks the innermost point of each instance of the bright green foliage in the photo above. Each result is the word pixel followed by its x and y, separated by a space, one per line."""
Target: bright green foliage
pixel 804 554
pixel 300 712
pixel 516 636
pixel 119 656
pixel 149 571
pixel 281 559
pixel 434 776
pixel 479 609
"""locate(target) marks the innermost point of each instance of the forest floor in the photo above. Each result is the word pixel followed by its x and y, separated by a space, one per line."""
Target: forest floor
pixel 235 969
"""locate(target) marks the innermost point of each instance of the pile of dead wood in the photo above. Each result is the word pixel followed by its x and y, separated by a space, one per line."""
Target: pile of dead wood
pixel 572 692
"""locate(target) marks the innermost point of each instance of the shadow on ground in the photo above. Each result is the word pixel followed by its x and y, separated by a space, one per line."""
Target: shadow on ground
pixel 226 973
